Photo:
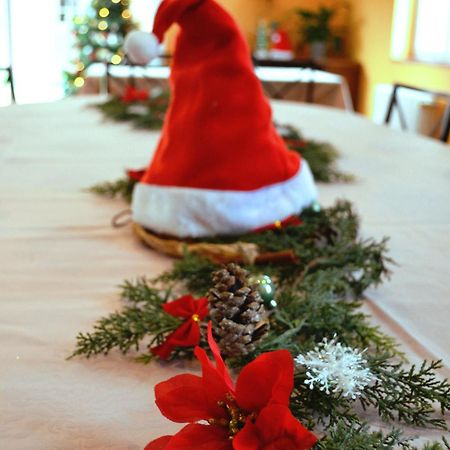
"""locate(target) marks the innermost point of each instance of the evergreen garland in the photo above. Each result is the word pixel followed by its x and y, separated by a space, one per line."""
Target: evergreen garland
pixel 147 114
pixel 305 315
pixel 315 301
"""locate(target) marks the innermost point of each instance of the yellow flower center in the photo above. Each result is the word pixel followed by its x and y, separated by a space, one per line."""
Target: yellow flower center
pixel 278 224
pixel 235 419
pixel 195 317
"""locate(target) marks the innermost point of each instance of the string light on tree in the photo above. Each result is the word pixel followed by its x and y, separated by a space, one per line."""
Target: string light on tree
pixel 104 12
pixel 99 37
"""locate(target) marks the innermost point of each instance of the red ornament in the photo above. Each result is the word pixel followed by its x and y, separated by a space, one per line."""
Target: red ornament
pixel 252 414
pixel 291 221
pixel 188 334
pixel 132 94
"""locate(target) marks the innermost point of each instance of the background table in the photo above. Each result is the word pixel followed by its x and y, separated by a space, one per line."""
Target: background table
pixel 298 84
pixel 61 263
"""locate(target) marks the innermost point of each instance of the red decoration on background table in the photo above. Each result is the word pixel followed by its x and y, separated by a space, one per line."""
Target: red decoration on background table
pixel 132 94
pixel 252 414
pixel 135 175
pixel 188 334
pixel 295 142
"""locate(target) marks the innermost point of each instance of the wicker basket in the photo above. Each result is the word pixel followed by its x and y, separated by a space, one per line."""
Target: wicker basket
pixel 241 252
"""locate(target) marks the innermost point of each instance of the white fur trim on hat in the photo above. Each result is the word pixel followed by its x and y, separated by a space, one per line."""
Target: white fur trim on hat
pixel 192 212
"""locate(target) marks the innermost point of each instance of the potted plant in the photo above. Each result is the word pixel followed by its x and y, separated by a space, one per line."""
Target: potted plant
pixel 316 29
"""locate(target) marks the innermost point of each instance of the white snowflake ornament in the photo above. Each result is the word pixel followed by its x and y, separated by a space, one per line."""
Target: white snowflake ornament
pixel 334 367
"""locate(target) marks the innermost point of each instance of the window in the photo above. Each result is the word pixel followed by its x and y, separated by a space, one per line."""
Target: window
pixel 36 40
pixel 421 31
pixel 432 31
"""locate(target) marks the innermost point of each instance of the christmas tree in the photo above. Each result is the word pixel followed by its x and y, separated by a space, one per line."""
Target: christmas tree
pixel 99 36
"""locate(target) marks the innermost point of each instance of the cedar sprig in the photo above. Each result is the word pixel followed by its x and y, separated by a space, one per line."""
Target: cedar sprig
pixel 141 318
pixel 408 395
pixel 401 395
pixel 321 156
pixel 359 436
pixel 121 188
pixel 154 111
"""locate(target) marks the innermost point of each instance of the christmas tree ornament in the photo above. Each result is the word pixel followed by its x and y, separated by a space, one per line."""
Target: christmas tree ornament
pixel 141 47
pixel 333 367
pixel 316 207
pixel 266 289
pixel 237 312
pixel 211 131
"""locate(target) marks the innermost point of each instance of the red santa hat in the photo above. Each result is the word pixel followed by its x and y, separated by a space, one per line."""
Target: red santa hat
pixel 220 167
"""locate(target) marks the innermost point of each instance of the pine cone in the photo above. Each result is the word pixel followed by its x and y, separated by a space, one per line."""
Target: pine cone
pixel 237 312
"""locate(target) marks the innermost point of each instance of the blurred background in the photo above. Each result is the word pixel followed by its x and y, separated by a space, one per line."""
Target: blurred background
pixel 54 48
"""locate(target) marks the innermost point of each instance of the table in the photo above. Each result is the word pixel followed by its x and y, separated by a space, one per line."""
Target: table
pixel 62 262
pixel 288 83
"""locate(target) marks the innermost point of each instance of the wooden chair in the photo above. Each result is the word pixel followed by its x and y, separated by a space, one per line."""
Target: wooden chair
pixel 394 104
pixel 10 80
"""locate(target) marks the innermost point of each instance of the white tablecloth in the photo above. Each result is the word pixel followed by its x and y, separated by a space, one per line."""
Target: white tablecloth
pixel 62 262
pixel 283 83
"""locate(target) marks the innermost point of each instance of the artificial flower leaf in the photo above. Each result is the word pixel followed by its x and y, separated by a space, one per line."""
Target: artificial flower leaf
pixel 221 367
pixel 158 444
pixel 182 399
pixel 266 380
pixel 215 387
pixel 200 437
pixel 275 428
pixel 186 306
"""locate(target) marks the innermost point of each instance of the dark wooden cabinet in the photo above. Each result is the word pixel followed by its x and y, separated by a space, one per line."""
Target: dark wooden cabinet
pixel 350 70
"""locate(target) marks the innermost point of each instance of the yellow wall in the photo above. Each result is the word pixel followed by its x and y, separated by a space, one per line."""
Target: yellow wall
pixel 369 41
pixel 371 46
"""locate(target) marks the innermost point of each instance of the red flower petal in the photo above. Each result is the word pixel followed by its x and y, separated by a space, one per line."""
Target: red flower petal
pixel 275 428
pixel 163 350
pixel 214 385
pixel 187 306
pixel 187 335
pixel 200 437
pixel 158 444
pixel 221 367
pixel 202 307
pixel 182 399
pixel 268 379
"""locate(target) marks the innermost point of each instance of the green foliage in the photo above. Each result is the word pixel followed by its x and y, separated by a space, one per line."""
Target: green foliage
pixel 150 115
pixel 321 156
pixel 304 317
pixel 315 26
pixel 122 188
pixel 360 437
pixel 142 317
pixel 327 239
pixel 407 395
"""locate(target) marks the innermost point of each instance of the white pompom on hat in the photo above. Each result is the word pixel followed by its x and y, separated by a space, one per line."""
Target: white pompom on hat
pixel 141 47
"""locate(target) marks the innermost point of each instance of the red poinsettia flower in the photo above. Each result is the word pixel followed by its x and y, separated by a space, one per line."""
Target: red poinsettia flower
pixel 188 334
pixel 252 414
pixel 135 175
pixel 132 94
